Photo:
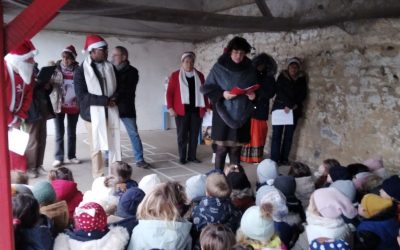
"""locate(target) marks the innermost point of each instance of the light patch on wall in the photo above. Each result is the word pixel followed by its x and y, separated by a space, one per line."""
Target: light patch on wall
pixel 331 135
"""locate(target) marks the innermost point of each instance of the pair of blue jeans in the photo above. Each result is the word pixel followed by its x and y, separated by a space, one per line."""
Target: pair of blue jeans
pixel 132 130
pixel 72 120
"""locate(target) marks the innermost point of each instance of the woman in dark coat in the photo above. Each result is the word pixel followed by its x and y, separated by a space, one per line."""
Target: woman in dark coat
pixel 291 91
pixel 231 117
pixel 266 70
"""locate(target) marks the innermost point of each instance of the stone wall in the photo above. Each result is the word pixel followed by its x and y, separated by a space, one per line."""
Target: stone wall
pixel 353 107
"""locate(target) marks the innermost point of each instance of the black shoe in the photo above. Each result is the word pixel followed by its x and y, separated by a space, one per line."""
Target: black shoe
pixel 194 160
pixel 143 164
pixel 182 161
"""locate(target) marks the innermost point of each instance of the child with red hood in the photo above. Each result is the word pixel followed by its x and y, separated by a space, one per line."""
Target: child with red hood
pixel 66 188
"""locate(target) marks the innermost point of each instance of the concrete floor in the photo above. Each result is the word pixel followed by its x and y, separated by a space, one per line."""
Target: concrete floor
pixel 160 150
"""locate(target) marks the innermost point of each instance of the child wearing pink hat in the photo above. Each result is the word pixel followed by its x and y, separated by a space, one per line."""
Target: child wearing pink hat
pixel 324 215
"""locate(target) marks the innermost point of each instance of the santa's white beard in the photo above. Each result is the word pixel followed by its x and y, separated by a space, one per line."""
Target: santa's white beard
pixel 25 70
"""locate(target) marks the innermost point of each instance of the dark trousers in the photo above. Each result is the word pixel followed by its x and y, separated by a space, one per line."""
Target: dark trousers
pixel 72 120
pixel 280 147
pixel 187 128
pixel 36 144
pixel 222 151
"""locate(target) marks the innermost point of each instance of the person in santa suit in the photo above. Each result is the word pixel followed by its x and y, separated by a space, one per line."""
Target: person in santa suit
pixel 19 65
pixel 95 86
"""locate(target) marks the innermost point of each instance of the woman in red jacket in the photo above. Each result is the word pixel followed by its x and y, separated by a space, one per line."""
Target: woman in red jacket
pixel 186 103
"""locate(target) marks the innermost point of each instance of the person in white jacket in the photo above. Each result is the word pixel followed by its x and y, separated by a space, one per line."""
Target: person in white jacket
pixel 161 225
pixel 304 182
pixel 324 215
pixel 91 231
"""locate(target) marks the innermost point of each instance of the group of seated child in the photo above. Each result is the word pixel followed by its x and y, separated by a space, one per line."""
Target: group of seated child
pixel 339 207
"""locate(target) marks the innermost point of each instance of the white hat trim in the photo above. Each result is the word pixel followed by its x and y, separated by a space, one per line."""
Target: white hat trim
pixel 96 45
pixel 13 58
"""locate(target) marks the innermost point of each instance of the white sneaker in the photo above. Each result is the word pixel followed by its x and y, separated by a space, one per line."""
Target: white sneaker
pixel 56 163
pixel 74 161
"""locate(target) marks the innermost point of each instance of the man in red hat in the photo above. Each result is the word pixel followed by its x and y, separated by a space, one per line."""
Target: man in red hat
pixel 19 65
pixel 95 87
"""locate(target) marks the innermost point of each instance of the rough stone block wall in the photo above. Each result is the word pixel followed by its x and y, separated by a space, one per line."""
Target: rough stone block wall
pixel 353 107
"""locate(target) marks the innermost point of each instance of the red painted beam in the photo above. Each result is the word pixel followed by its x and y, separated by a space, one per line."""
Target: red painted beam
pixel 23 27
pixel 6 228
pixel 31 20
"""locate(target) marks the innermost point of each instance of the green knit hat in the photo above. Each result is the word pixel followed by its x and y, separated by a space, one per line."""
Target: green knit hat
pixel 44 193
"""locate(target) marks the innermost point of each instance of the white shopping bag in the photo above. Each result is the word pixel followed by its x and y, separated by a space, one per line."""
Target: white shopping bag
pixel 17 140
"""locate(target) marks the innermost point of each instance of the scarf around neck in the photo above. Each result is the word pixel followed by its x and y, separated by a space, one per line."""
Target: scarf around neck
pixel 184 89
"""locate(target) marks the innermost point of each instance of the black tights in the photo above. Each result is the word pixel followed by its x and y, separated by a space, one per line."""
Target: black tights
pixel 222 151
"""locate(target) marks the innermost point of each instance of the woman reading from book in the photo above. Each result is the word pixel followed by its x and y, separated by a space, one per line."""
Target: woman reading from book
pixel 231 118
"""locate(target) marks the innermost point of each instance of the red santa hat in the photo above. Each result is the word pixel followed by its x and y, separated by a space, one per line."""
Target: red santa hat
pixel 25 51
pixel 93 42
pixel 70 49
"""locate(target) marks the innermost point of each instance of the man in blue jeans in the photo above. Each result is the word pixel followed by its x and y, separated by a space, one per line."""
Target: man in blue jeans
pixel 127 79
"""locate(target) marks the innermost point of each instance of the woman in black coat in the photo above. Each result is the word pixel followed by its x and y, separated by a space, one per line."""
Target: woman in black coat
pixel 266 70
pixel 291 91
pixel 231 116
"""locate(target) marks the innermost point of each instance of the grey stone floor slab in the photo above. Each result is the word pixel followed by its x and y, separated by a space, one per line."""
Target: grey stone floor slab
pixel 160 149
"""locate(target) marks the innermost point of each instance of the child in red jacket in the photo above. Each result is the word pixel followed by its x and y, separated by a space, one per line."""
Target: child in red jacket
pixel 66 188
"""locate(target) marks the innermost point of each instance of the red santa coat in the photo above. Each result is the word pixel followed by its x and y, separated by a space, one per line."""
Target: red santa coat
pixel 21 96
pixel 174 95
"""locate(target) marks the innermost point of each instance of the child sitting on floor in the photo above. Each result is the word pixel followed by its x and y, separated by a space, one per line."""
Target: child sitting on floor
pixel 18 177
pixel 267 171
pixel 242 195
pixel 324 215
pixel 391 189
pixel 31 229
pixel 257 229
pixel 304 182
pixel 101 194
pixel 123 180
pixel 91 232
pixel 287 185
pixel 217 237
pixel 323 171
pixel 65 187
pixel 57 211
pixel 161 225
pixel 149 182
pixel 216 207
pixel 379 218
pixel 195 191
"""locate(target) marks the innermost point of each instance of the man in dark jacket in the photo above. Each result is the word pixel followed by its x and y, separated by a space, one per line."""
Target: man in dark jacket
pixel 39 112
pixel 291 91
pixel 95 86
pixel 128 78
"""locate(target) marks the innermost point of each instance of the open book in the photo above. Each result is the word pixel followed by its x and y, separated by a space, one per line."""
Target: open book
pixel 249 90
